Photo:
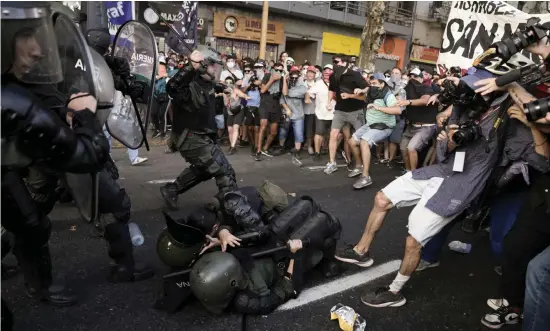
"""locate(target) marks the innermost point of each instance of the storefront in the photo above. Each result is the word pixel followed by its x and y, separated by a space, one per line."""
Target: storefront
pixel 424 57
pixel 241 35
pixel 391 54
pixel 170 12
pixel 339 44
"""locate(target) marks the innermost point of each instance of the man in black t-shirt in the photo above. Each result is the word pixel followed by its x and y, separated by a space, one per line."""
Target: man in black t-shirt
pixel 270 108
pixel 349 106
pixel 421 119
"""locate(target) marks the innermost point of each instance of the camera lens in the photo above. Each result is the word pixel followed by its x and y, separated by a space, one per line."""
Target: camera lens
pixel 537 109
pixel 466 134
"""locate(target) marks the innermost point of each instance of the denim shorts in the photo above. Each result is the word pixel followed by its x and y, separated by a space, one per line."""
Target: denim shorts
pixel 220 122
pixel 297 127
pixel 372 136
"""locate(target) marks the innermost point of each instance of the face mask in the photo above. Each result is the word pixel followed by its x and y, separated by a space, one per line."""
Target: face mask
pixel 304 72
pixel 230 65
pixel 292 81
pixel 395 78
pixel 375 93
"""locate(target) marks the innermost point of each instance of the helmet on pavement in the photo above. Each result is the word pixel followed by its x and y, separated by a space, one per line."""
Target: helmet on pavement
pixel 180 253
pixel 215 278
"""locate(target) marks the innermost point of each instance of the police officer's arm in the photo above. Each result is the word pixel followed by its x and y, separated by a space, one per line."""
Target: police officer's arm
pixel 48 139
pixel 178 86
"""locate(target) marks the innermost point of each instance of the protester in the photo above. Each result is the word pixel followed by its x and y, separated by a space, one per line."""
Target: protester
pixel 270 109
pixel 309 109
pixel 421 125
pixel 323 117
pixel 398 90
pixel 292 101
pixel 349 106
pixel 160 101
pixel 380 121
pixel 235 112
pixel 231 69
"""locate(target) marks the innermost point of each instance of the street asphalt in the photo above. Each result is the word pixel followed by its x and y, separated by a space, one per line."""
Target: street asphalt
pixel 449 297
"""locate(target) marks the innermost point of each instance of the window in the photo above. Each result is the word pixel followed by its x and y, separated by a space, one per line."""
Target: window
pixel 246 49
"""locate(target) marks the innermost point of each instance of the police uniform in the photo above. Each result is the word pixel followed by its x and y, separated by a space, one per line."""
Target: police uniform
pixel 34 134
pixel 193 132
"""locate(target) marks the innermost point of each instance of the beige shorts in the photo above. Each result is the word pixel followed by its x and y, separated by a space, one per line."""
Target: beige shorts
pixel 406 191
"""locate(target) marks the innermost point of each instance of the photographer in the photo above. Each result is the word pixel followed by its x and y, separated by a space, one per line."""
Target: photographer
pixel 530 234
pixel 443 191
pixel 251 86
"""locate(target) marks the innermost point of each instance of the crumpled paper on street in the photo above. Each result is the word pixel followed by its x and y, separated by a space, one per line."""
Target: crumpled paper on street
pixel 348 319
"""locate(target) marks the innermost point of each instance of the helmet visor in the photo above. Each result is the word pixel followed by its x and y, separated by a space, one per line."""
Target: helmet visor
pixel 29 48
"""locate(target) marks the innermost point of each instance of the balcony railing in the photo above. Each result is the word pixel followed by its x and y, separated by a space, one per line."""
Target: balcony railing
pixel 392 14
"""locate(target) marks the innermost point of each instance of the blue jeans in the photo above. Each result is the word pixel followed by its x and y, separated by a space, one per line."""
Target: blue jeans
pixel 297 127
pixel 536 313
pixel 503 215
pixel 132 153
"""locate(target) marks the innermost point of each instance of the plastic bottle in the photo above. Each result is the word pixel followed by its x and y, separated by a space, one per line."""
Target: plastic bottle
pixel 135 234
pixel 460 247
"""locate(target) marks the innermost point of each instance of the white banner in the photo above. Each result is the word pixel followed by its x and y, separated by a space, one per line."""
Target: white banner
pixel 474 25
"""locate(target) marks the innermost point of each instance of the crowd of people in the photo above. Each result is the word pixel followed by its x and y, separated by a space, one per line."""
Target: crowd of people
pixel 399 119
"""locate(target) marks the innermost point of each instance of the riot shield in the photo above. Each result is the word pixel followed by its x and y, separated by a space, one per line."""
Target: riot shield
pixel 76 59
pixel 135 43
pixel 78 66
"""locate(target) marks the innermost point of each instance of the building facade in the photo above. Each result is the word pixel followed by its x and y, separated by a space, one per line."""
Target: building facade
pixel 310 31
pixel 430 20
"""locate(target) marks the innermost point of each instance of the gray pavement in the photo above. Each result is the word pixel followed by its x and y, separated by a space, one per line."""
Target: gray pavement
pixel 450 297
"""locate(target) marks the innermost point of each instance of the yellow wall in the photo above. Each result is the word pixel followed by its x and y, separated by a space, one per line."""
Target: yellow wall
pixel 340 44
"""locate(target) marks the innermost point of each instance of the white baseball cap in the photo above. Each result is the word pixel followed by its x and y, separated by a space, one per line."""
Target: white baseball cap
pixel 329 66
pixel 416 72
pixel 162 59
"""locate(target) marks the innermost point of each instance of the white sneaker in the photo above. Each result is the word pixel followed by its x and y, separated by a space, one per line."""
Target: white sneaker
pixel 139 160
pixel 495 304
pixel 330 168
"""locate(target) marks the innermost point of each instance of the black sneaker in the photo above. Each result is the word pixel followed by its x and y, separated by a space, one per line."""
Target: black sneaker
pixel 349 255
pixel 56 295
pixel 503 315
pixel 316 157
pixel 258 156
pixel 383 297
pixel 122 274
pixel 279 151
pixel 156 134
pixel 296 158
pixel 266 153
pixel 232 150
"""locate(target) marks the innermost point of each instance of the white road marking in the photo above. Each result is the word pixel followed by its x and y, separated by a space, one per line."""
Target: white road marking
pixel 161 181
pixel 316 168
pixel 340 285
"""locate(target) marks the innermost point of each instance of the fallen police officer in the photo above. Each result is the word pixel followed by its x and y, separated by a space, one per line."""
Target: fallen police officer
pixel 263 260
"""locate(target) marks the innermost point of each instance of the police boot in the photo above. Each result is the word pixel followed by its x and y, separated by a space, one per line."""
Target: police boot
pixel 170 195
pixel 123 270
pixel 36 264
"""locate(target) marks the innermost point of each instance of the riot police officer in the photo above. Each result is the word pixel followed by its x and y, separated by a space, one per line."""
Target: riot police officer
pixel 194 127
pixel 33 134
